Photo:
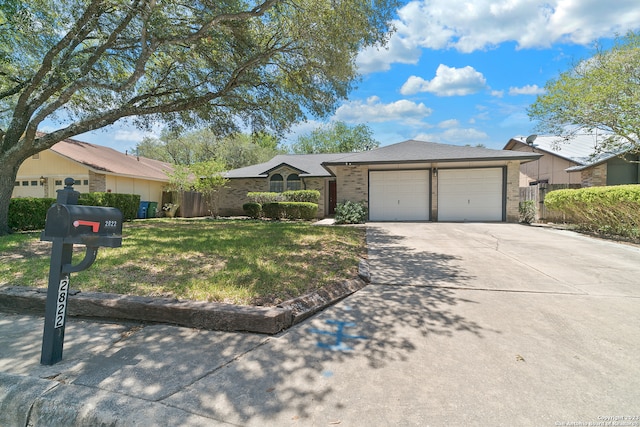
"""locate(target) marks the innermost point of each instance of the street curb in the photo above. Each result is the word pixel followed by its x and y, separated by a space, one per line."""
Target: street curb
pixel 194 314
pixel 29 401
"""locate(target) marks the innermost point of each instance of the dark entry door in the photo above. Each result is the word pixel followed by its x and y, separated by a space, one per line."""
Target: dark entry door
pixel 333 196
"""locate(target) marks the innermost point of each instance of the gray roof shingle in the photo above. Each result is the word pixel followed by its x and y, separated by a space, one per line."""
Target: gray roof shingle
pixel 404 152
pixel 413 151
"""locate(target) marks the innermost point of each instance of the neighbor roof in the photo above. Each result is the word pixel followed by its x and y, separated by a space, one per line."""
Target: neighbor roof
pixel 107 160
pixel 579 148
pixel 306 164
pixel 413 151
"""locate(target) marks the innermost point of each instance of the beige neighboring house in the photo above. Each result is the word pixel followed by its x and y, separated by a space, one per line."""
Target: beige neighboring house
pixel 95 169
pixel 574 161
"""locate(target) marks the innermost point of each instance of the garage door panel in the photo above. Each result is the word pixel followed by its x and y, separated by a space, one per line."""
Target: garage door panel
pixel 470 194
pixel 399 195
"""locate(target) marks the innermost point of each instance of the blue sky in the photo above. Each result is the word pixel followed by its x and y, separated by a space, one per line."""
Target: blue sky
pixel 461 71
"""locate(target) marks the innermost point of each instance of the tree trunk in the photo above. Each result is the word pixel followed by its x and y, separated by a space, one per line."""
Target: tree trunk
pixel 8 173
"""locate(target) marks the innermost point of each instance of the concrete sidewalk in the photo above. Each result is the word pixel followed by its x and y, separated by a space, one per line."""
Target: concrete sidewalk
pixel 489 336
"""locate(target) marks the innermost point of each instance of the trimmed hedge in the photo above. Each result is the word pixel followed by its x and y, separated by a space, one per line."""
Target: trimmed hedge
pixel 290 210
pixel 298 204
pixel 127 203
pixel 28 213
pixel 309 196
pixel 609 210
pixel 252 209
pixel 351 213
pixel 262 197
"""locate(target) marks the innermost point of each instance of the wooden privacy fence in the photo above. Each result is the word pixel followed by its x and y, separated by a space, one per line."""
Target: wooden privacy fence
pixel 192 204
pixel 537 193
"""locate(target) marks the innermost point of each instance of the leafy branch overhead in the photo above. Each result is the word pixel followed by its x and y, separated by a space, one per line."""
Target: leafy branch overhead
pixel 600 93
pixel 86 64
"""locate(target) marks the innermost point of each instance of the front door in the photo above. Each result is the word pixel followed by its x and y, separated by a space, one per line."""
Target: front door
pixel 333 197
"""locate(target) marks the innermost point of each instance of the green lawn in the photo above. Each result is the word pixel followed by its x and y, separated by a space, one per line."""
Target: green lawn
pixel 233 261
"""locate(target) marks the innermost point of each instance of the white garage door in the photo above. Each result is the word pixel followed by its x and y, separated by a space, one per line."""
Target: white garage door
pixel 470 194
pixel 399 195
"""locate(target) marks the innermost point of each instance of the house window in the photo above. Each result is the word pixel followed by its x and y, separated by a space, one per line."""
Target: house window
pixel 85 182
pixel 276 183
pixel 25 183
pixel 34 183
pixel 58 182
pixel 293 182
pixel 77 182
pixel 16 184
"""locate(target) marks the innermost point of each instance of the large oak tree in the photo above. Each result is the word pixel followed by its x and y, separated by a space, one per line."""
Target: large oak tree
pixel 600 93
pixel 231 64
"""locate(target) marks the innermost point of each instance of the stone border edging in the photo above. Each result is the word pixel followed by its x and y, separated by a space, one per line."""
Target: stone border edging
pixel 195 314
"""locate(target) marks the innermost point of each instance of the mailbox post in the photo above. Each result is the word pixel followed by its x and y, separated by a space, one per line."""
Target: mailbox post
pixel 67 224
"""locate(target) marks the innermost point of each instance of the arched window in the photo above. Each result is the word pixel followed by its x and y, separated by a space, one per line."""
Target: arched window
pixel 293 182
pixel 276 183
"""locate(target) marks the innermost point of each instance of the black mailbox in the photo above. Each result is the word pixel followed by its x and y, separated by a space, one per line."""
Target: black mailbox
pixel 88 225
pixel 67 224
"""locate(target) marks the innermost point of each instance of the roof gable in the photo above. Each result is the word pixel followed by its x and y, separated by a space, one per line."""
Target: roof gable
pixel 307 164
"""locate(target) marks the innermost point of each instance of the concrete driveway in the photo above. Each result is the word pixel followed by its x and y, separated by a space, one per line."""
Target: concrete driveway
pixel 465 324
pixel 510 325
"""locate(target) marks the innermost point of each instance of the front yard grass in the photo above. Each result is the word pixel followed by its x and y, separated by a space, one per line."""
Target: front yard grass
pixel 233 261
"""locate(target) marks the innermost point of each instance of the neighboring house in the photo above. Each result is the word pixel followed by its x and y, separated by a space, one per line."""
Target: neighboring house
pixel 94 168
pixel 574 161
pixel 408 181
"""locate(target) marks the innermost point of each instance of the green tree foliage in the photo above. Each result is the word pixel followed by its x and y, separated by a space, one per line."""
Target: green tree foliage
pixel 209 180
pixel 264 64
pixel 602 93
pixel 234 151
pixel 337 137
pixel 204 177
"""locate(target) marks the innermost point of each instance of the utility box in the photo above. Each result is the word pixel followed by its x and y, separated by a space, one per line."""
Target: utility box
pixel 93 226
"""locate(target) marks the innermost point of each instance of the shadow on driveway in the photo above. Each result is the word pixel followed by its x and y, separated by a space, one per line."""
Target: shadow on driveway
pixel 392 263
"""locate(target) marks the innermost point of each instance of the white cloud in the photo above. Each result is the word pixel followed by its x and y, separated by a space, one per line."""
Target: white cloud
pixel 448 81
pixel 456 136
pixel 468 26
pixel 451 123
pixel 468 136
pixel 398 50
pixel 526 90
pixel 403 111
pixel 497 93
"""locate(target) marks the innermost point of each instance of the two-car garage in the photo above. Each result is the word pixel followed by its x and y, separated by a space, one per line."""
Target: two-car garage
pixel 464 194
pixel 426 181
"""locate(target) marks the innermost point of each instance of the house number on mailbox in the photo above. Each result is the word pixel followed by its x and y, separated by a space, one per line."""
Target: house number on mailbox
pixel 61 307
